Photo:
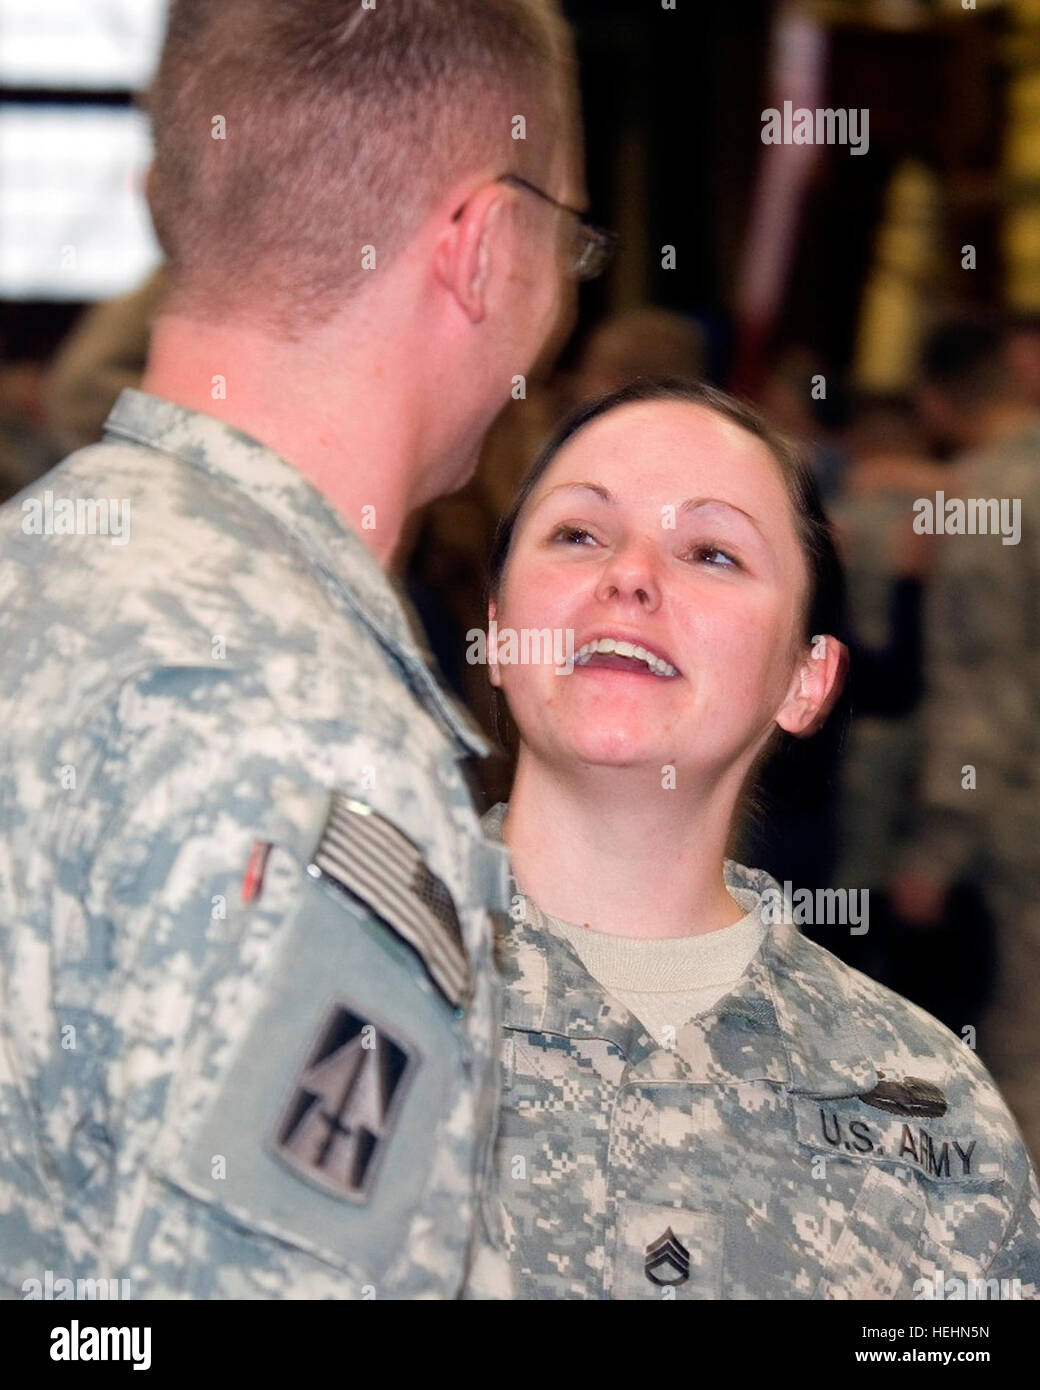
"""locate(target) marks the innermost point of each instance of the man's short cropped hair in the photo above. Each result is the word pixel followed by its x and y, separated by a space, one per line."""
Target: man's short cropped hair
pixel 290 135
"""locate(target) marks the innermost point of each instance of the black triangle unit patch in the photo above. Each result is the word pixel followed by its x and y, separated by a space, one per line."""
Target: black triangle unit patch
pixel 344 1104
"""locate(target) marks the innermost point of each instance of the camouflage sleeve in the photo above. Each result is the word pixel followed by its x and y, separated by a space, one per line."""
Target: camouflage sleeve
pixel 1018 1258
pixel 194 1013
pixel 976 712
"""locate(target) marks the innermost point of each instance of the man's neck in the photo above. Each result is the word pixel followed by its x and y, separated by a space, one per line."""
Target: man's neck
pixel 614 850
pixel 344 421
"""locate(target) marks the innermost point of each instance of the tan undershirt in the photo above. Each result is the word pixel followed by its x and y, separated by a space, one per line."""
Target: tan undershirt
pixel 666 983
pixel 663 983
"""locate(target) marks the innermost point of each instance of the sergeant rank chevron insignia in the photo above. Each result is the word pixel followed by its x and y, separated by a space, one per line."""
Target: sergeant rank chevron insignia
pixel 667 1253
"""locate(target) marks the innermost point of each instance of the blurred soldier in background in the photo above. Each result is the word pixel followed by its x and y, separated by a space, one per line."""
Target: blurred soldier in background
pixel 791 397
pixel 1023 350
pixel 105 353
pixel 248 1009
pixel 26 450
pixel 887 566
pixel 871 516
pixel 980 785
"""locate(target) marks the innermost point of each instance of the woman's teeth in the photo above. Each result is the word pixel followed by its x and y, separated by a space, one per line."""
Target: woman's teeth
pixel 609 646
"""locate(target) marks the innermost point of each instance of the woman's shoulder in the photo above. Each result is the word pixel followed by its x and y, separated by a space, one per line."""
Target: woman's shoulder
pixel 857 1001
pixel 922 1066
pixel 907 1030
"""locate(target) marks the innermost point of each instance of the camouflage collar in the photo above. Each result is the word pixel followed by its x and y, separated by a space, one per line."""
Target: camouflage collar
pixel 788 1020
pixel 326 542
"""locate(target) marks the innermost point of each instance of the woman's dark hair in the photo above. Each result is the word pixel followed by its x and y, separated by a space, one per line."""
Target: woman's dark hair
pixel 788 770
pixel 825 610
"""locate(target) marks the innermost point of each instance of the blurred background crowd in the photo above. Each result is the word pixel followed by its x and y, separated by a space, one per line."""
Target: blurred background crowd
pixel 882 307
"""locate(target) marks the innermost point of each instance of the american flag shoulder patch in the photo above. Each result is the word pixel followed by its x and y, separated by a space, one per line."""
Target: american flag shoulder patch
pixel 365 855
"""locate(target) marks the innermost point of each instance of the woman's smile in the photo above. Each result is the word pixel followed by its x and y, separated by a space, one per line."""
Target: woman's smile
pixel 629 656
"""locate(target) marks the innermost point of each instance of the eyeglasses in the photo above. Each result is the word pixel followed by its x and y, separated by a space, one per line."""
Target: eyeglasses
pixel 594 246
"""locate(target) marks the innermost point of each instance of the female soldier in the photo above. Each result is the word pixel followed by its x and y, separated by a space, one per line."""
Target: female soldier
pixel 698 1101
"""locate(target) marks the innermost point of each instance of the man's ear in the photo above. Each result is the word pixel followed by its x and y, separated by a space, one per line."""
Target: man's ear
pixel 815 686
pixel 493 675
pixel 467 248
pixel 151 184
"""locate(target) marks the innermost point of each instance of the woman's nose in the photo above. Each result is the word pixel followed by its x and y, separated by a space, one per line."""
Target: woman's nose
pixel 630 575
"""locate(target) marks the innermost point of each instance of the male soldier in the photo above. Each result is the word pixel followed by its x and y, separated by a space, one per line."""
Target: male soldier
pixel 248 1012
pixel 981 773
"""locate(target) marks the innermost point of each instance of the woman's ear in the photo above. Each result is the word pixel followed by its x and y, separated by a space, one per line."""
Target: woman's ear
pixel 493 675
pixel 815 686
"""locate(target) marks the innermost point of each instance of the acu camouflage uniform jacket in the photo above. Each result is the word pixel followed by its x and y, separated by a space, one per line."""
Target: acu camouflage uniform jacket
pixel 248 1015
pixel 813 1136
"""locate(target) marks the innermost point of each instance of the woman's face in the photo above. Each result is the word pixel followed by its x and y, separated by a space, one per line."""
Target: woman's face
pixel 666 526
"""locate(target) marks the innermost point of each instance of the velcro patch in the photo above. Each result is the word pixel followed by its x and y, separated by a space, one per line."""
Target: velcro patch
pixel 345 1103
pixel 941 1149
pixel 368 857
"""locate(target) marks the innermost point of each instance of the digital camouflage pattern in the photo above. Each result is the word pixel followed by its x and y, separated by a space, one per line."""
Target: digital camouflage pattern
pixel 754 1159
pixel 983 678
pixel 980 784
pixel 169 708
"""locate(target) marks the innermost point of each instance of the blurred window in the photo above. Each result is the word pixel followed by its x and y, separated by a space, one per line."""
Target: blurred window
pixel 95 44
pixel 74 149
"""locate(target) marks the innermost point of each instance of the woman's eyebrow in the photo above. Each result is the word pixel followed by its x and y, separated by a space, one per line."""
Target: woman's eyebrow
pixel 597 488
pixel 693 503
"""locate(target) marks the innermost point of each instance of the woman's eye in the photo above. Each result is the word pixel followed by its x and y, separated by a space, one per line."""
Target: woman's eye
pixel 573 535
pixel 713 556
